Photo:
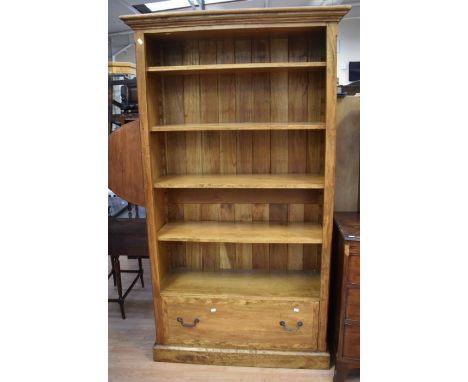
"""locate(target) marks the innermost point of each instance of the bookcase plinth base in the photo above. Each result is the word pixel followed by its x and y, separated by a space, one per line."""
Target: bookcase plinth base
pixel 241 357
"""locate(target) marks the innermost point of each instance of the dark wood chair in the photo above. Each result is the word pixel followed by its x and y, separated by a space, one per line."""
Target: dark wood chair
pixel 126 237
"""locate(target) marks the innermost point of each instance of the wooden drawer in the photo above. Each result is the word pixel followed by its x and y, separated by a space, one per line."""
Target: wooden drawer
pixel 354 248
pixel 353 270
pixel 241 323
pixel 352 304
pixel 351 341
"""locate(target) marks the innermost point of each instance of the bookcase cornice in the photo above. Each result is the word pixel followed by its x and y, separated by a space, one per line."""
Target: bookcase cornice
pixel 235 17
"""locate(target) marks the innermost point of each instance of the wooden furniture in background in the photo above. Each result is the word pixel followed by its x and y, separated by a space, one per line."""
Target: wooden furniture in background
pixel 126 237
pixel 347 154
pixel 237 113
pixel 125 168
pixel 121 68
pixel 344 309
pixel 125 178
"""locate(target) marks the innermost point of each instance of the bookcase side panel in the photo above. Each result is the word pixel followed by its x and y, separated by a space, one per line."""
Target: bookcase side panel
pixel 153 200
pixel 327 224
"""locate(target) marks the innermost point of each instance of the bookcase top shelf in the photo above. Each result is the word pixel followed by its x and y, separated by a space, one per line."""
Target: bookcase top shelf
pixel 278 181
pixel 242 232
pixel 240 126
pixel 235 18
pixel 276 285
pixel 248 67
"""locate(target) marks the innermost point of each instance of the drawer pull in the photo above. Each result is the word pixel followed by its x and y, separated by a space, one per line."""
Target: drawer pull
pixel 298 326
pixel 181 320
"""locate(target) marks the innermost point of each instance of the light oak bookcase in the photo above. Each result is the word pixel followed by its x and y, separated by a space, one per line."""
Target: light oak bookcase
pixel 237 113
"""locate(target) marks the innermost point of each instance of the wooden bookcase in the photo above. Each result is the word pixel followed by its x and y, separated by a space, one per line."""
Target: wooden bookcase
pixel 237 113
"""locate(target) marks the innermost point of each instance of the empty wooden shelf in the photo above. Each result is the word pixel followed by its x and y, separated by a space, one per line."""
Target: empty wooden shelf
pixel 251 67
pixel 237 112
pixel 240 126
pixel 272 285
pixel 242 232
pixel 261 181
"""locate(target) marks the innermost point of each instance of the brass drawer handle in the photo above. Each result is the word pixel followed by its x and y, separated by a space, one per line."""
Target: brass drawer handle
pixel 181 320
pixel 298 326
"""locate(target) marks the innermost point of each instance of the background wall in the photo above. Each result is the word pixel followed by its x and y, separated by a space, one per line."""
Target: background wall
pixel 347 47
pixel 128 55
pixel 118 41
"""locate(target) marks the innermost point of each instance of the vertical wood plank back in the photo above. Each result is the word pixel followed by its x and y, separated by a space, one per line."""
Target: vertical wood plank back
pixel 295 251
pixel 260 252
pixel 192 213
pixel 316 96
pixel 209 251
pixel 279 107
pixel 262 108
pixel 278 252
pixel 243 213
pixel 227 251
pixel 244 106
pixel 227 108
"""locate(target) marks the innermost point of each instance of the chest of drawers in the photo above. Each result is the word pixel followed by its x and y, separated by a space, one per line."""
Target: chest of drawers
pixel 344 330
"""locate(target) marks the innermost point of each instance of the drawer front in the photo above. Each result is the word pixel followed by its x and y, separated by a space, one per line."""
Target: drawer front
pixel 352 304
pixel 351 341
pixel 241 323
pixel 353 270
pixel 354 248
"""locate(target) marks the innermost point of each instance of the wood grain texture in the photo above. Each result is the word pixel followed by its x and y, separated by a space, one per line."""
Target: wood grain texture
pixel 154 219
pixel 260 252
pixel 347 154
pixel 227 251
pixel 352 310
pixel 236 18
pixel 247 67
pixel 311 198
pixel 235 106
pixel 131 343
pixel 194 147
pixel 259 284
pixel 257 322
pixel 344 328
pixel 125 168
pixel 330 140
pixel 225 126
pixel 116 67
pixel 208 232
pixel 256 358
pixel 262 181
pixel 295 251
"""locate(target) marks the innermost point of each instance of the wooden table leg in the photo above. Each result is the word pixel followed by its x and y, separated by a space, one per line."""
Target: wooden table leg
pixel 119 284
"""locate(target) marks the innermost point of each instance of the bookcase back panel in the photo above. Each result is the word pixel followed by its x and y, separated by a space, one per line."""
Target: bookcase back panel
pixel 240 152
pixel 280 96
pixel 214 257
pixel 245 212
pixel 221 47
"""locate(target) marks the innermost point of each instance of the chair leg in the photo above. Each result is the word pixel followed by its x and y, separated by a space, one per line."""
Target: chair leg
pixel 140 270
pixel 113 272
pixel 119 285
